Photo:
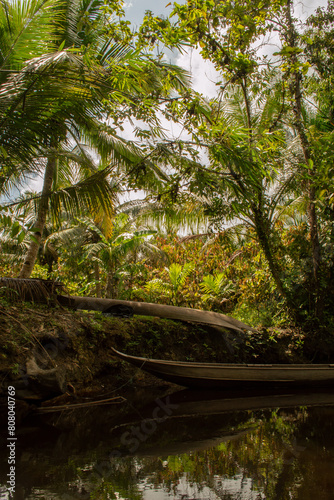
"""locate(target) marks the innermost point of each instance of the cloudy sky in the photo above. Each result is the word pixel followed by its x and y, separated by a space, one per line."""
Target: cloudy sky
pixel 135 9
pixel 204 74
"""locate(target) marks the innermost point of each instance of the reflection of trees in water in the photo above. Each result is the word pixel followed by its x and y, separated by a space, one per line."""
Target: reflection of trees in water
pixel 282 458
pixel 284 455
pixel 315 464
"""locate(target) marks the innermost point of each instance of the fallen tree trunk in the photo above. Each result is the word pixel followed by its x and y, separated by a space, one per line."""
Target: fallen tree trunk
pixel 159 310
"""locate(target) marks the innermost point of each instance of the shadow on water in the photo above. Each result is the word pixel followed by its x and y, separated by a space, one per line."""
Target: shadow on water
pixel 186 445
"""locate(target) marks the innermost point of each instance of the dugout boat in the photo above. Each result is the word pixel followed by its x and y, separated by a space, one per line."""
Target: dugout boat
pixel 233 376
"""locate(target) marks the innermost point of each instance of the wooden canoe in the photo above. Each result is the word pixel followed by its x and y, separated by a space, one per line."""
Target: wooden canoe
pixel 159 310
pixel 228 375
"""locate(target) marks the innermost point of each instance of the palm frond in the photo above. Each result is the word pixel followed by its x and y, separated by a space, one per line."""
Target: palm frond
pixel 178 274
pixel 92 194
pixel 157 286
pixel 36 290
pixel 26 27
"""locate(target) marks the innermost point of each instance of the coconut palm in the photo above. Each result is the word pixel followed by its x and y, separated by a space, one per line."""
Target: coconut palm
pixel 125 245
pixel 113 247
pixel 59 96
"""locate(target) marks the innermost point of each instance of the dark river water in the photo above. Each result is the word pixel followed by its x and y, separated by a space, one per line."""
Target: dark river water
pixel 184 446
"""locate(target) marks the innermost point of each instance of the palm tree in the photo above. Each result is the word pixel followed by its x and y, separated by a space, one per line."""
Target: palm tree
pixel 184 217
pixel 24 30
pixel 60 97
pixel 112 246
pixel 125 245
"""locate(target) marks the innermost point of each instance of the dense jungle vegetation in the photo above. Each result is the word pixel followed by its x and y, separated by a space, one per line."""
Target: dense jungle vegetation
pixel 235 214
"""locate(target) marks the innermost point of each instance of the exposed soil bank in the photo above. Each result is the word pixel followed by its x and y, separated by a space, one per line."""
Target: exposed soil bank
pixel 55 353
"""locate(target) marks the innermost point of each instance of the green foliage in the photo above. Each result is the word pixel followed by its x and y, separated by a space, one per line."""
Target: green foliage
pixel 178 276
pixel 215 287
pixel 81 68
pixel 266 145
pixel 267 139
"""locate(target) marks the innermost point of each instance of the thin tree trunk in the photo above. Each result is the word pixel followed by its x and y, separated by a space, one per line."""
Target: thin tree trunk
pixel 108 290
pixel 39 225
pixel 248 110
pixel 97 280
pixel 296 93
pixel 111 291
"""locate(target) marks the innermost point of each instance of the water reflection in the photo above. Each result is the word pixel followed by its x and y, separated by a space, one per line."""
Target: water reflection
pixel 180 447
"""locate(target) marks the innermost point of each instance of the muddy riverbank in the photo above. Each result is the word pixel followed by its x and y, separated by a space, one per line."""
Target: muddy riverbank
pixel 55 356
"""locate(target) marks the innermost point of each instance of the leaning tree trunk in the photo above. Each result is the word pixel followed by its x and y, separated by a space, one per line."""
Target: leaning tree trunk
pixel 261 224
pixel 39 225
pixel 274 266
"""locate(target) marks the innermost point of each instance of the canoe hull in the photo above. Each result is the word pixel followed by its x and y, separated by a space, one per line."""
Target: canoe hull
pixel 225 375
pixel 160 310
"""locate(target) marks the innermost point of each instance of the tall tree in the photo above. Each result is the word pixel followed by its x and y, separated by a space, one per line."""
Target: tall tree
pixel 247 161
pixel 64 92
pixel 294 73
